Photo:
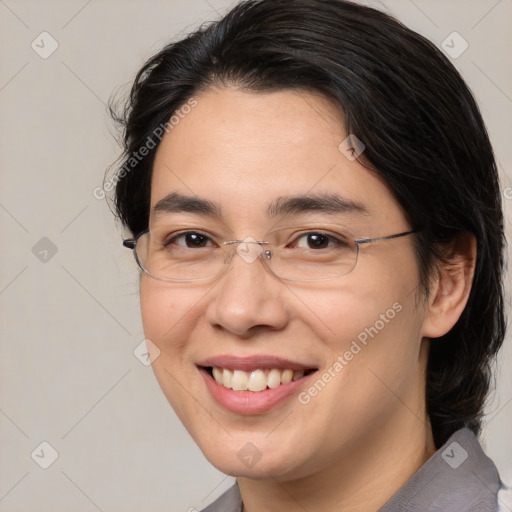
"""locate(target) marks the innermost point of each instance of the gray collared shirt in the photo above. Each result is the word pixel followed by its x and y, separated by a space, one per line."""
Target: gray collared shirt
pixel 459 477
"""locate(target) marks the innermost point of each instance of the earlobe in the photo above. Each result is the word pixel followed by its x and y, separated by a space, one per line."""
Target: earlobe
pixel 450 289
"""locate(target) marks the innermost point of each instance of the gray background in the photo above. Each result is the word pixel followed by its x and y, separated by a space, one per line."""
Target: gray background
pixel 69 321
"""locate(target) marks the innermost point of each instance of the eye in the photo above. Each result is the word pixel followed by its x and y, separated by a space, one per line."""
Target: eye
pixel 317 240
pixel 189 239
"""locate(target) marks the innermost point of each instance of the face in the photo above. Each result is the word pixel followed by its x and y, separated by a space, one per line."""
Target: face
pixel 357 338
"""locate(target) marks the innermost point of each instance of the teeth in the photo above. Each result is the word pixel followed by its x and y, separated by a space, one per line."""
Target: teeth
pixel 227 377
pixel 286 376
pixel 217 374
pixel 257 380
pixel 239 380
pixel 298 375
pixel 273 378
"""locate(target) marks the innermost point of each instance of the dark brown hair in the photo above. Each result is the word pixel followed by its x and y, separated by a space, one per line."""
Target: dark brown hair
pixel 423 133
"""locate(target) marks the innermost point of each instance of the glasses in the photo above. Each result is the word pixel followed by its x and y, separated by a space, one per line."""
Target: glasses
pixel 305 255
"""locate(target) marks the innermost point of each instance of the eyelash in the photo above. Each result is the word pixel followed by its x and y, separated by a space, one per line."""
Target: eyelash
pixel 331 238
pixel 171 239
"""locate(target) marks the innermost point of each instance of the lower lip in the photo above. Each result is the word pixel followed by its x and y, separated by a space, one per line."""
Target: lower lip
pixel 250 402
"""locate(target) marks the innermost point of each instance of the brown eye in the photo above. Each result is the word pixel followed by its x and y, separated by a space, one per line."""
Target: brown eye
pixel 316 240
pixel 190 239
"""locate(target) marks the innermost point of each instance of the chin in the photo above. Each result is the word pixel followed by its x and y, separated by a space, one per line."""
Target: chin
pixel 249 462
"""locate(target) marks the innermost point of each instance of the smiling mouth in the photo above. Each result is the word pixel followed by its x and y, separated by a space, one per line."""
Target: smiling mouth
pixel 255 380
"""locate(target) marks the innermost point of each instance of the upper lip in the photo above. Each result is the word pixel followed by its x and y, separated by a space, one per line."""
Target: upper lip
pixel 251 363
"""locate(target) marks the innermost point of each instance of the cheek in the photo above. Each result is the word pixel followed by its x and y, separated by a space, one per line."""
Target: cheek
pixel 348 312
pixel 371 329
pixel 374 366
pixel 168 312
pixel 158 309
pixel 168 318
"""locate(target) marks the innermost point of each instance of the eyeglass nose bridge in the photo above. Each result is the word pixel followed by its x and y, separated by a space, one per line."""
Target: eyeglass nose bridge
pixel 244 250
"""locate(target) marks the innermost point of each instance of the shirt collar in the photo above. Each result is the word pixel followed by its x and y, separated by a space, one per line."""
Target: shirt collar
pixel 458 477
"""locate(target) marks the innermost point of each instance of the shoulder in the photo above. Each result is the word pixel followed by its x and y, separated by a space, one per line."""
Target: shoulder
pixel 459 476
pixel 230 501
pixel 505 498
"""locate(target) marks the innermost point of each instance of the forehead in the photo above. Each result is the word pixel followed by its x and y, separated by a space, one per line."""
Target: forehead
pixel 243 150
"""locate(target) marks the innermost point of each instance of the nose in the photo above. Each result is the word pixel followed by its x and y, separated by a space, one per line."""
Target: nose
pixel 248 297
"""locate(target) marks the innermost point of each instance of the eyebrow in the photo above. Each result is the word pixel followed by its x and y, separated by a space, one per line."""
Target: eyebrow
pixel 284 205
pixel 323 202
pixel 175 202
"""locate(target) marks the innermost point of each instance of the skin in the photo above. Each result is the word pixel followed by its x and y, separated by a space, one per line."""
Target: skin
pixel 367 432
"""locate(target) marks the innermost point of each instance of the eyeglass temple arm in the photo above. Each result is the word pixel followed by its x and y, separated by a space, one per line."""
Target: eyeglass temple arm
pixel 389 237
pixel 129 243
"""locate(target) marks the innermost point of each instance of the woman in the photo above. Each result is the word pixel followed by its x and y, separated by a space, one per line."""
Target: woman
pixel 315 206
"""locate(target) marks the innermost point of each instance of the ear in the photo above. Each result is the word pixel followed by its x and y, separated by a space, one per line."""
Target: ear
pixel 450 288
